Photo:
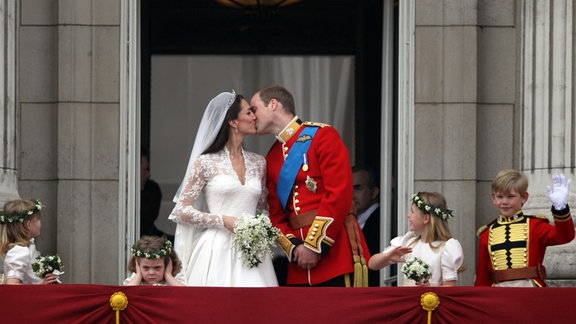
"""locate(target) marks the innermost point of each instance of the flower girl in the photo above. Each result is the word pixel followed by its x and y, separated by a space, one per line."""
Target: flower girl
pixel 429 243
pixel 20 223
pixel 155 263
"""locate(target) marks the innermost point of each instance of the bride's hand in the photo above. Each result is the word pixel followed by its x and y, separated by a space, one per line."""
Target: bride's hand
pixel 229 222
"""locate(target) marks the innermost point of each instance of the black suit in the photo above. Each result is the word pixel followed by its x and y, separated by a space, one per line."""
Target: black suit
pixel 371 233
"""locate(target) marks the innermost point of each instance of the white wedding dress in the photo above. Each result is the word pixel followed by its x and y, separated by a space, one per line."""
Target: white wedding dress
pixel 202 243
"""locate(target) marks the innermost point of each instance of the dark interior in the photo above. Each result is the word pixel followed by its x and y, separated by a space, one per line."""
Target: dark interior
pixel 308 27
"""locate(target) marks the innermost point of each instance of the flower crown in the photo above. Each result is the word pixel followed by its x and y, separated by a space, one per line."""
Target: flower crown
pixel 154 254
pixel 21 216
pixel 429 209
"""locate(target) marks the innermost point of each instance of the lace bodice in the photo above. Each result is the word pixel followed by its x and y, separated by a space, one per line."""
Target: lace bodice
pixel 214 180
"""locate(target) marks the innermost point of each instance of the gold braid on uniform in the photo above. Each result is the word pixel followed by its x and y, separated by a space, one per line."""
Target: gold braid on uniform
pixel 316 237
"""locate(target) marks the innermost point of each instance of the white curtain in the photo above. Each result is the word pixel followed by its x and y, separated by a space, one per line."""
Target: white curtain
pixel 323 89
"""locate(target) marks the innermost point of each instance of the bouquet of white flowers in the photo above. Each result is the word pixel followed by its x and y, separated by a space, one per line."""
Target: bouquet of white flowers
pixel 254 237
pixel 416 269
pixel 44 265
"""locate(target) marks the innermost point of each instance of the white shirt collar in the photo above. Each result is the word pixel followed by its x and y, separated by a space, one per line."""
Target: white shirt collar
pixel 362 218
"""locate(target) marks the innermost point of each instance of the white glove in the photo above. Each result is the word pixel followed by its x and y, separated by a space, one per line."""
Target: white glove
pixel 559 194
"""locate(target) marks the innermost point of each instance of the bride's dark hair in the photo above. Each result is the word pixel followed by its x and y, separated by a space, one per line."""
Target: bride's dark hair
pixel 222 136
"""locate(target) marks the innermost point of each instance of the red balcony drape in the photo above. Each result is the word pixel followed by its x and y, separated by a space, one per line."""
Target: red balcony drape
pixel 72 303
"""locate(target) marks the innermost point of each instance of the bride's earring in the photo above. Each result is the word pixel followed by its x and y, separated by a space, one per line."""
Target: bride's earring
pixel 236 129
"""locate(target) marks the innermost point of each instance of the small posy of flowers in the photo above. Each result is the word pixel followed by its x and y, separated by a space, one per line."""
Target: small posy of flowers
pixel 44 265
pixel 416 269
pixel 255 235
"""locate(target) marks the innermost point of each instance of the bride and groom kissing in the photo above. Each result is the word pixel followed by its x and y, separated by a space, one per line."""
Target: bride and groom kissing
pixel 304 185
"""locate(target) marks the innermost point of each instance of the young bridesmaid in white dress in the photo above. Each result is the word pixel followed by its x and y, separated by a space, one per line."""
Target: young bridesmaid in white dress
pixel 20 224
pixel 222 182
pixel 429 239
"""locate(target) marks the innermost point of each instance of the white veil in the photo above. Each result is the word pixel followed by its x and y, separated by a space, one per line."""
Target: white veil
pixel 210 124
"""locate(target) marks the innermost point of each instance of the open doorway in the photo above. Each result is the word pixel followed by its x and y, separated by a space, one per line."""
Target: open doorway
pixel 193 31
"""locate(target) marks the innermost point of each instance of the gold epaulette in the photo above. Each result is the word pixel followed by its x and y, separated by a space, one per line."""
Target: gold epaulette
pixel 541 216
pixel 485 227
pixel 309 123
pixel 481 229
pixel 317 234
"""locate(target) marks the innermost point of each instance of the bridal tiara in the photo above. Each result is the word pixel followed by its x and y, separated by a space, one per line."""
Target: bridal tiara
pixel 231 101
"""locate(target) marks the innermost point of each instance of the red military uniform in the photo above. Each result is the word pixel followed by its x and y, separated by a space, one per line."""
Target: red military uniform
pixel 323 184
pixel 510 248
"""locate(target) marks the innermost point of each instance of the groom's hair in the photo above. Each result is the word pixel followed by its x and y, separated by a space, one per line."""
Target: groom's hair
pixel 279 93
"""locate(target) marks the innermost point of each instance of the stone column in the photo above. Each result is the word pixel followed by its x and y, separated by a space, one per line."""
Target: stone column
pixel 445 109
pixel 8 119
pixel 88 139
pixel 548 141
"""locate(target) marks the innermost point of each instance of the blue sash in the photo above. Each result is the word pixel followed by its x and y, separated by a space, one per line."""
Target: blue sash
pixel 293 162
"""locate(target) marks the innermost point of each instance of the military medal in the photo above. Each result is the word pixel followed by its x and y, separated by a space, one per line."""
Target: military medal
pixel 311 184
pixel 305 166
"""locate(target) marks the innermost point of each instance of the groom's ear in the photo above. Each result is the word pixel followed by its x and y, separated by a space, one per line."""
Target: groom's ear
pixel 273 103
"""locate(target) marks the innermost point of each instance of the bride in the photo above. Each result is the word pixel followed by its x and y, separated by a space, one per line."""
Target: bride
pixel 222 182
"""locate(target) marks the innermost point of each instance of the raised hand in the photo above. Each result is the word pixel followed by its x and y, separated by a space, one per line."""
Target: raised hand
pixel 396 254
pixel 169 267
pixel 559 193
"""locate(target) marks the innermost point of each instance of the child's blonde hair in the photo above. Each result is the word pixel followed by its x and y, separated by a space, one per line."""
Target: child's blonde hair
pixel 153 244
pixel 509 180
pixel 439 230
pixel 15 231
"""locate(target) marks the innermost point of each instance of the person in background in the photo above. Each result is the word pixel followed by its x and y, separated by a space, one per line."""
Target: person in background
pixel 512 247
pixel 366 202
pixel 429 239
pixel 20 224
pixel 150 199
pixel 154 263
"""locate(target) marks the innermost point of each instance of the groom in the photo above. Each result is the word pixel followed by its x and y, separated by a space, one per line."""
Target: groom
pixel 310 194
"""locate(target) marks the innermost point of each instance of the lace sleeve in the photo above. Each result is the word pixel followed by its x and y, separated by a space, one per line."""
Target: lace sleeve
pixel 186 209
pixel 263 201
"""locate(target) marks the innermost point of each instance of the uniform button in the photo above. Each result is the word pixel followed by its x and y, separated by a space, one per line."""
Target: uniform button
pixel 297 208
pixel 296 187
pixel 296 193
pixel 285 148
pixel 316 225
pixel 311 237
pixel 296 201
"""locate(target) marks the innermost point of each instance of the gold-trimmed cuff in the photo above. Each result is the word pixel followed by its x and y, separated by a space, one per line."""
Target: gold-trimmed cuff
pixel 562 218
pixel 317 234
pixel 286 245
